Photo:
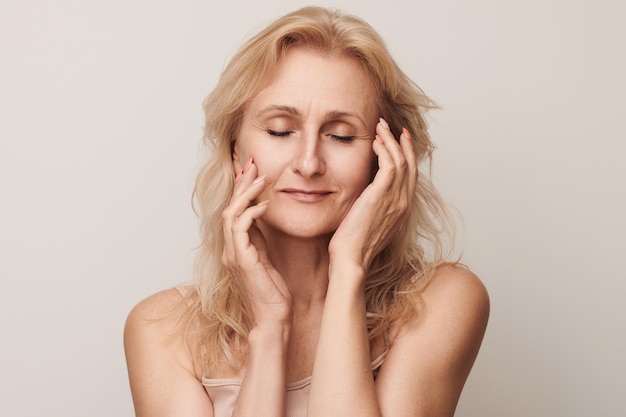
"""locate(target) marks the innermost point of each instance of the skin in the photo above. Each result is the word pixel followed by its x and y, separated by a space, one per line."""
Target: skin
pixel 301 229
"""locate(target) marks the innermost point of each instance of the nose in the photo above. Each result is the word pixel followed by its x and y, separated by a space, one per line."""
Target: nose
pixel 309 160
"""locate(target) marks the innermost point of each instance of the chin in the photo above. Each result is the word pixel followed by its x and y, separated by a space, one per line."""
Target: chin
pixel 300 227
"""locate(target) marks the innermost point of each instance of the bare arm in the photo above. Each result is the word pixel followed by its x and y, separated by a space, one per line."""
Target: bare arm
pixel 263 389
pixel 425 369
pixel 429 361
pixel 342 383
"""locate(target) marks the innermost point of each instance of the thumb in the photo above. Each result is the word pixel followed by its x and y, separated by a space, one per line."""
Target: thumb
pixel 258 241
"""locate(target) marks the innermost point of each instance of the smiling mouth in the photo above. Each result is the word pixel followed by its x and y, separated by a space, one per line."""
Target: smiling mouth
pixel 308 196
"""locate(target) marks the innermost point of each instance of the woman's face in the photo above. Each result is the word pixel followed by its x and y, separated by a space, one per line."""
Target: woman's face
pixel 310 131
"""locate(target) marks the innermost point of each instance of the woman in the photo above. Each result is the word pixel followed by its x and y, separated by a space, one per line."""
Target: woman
pixel 315 294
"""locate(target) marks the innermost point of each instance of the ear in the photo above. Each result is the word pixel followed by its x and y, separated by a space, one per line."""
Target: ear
pixel 237 165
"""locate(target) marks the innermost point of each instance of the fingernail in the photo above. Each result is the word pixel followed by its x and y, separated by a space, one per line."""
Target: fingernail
pixel 248 165
pixel 383 122
pixel 378 139
pixel 406 133
pixel 238 176
pixel 263 203
pixel 258 180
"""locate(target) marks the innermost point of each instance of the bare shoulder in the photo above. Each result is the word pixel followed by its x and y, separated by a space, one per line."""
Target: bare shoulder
pixel 155 329
pixel 158 317
pixel 456 309
pixel 163 375
pixel 433 355
pixel 157 305
pixel 454 315
pixel 456 288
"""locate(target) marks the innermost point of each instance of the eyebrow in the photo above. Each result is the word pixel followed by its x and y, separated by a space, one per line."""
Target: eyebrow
pixel 277 108
pixel 292 111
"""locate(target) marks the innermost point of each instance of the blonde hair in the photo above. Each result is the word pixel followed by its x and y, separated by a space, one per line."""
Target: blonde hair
pixel 402 267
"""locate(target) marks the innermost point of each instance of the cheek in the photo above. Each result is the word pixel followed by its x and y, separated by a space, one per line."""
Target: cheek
pixel 360 171
pixel 267 164
pixel 251 148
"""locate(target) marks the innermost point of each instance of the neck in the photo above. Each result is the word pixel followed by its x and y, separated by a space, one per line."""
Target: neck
pixel 303 263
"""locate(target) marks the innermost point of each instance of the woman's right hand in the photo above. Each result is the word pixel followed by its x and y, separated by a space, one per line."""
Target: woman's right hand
pixel 245 251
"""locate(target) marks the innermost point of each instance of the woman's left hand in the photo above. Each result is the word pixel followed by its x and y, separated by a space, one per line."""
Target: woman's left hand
pixel 384 204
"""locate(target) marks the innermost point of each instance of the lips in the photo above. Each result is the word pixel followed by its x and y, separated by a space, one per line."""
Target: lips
pixel 307 196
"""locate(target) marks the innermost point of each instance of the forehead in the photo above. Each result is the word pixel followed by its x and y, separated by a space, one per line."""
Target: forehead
pixel 309 80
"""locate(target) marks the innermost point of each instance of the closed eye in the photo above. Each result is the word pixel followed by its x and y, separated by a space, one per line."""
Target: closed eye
pixel 346 139
pixel 279 133
pixel 284 133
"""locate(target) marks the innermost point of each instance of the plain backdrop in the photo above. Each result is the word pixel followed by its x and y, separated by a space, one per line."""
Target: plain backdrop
pixel 100 122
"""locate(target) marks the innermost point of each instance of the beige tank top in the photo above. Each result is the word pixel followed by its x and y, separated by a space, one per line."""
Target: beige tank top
pixel 224 391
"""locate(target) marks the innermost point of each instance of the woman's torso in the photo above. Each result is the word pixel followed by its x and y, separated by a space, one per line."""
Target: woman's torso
pixel 223 384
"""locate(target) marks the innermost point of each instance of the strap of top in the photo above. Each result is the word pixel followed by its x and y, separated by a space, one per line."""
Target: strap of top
pixel 184 293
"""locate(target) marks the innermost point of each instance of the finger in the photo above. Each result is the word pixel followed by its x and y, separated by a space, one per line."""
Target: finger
pixel 391 161
pixel 245 177
pixel 391 143
pixel 409 154
pixel 258 241
pixel 232 226
pixel 398 195
pixel 245 252
pixel 384 177
pixel 246 190
pixel 398 185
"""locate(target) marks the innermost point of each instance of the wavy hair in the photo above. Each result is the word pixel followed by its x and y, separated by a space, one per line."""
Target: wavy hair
pixel 402 268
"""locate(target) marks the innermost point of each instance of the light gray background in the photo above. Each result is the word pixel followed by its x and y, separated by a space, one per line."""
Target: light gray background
pixel 100 120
